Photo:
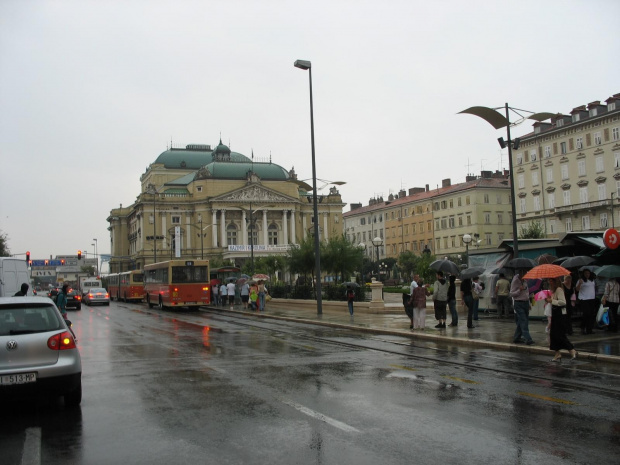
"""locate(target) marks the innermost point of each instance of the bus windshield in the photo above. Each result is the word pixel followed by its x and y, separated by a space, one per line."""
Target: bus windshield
pixel 189 274
pixel 138 278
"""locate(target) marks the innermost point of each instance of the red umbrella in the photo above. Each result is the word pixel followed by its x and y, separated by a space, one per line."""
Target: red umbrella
pixel 546 271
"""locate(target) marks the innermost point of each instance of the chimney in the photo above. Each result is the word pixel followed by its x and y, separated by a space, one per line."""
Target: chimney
pixel 445 182
pixel 355 206
pixel 470 177
pixel 372 201
pixel 427 188
pixel 486 174
pixel 416 190
pixel 390 197
pixel 402 193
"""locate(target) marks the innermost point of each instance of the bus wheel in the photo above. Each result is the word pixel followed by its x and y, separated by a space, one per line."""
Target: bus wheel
pixel 148 301
pixel 161 304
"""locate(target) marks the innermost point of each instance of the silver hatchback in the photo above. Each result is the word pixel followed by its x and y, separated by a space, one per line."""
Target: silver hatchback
pixel 38 352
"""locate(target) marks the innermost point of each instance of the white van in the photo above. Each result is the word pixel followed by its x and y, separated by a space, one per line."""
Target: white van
pixel 86 284
pixel 13 273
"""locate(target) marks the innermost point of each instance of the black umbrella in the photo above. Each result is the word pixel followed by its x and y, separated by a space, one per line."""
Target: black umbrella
pixel 521 263
pixel 351 284
pixel 609 271
pixel 472 272
pixel 578 261
pixel 446 266
pixel 590 268
pixel 559 261
pixel 502 270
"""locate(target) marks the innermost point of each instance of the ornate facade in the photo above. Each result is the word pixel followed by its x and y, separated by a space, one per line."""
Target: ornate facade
pixel 197 202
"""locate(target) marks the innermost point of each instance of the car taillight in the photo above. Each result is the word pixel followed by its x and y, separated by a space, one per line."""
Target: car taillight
pixel 90 296
pixel 107 296
pixel 77 297
pixel 61 341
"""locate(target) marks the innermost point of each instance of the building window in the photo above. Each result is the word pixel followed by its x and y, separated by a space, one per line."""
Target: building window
pixel 536 203
pixel 547 151
pixel 563 148
pixel 583 194
pixel 616 159
pixel 176 220
pixel 272 233
pixel 569 224
pixel 467 201
pixel 564 171
pixel 487 237
pixel 523 206
pixel 458 202
pixel 535 178
pixel 549 174
pixel 581 167
pixel 600 166
pixel 579 142
pixel 500 237
pixel 566 196
pixel 486 198
pixel 597 138
pixel 498 199
pixel 552 226
pixel 451 222
pixel 487 218
pixel 421 227
pixel 199 189
pixel 575 117
pixel 231 234
pixel 429 225
pixel 533 155
pixel 617 189
pixel 551 200
pixel 521 181
pixel 593 112
pixel 615 133
pixel 468 220
pixel 603 220
pixel 500 218
pixel 519 158
pixel 585 223
pixel 602 192
pixel 611 106
pixel 460 221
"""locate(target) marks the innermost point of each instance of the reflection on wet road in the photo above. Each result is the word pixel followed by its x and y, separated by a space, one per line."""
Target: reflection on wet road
pixel 200 387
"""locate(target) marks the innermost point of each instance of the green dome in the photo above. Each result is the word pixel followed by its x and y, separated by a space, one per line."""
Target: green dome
pixel 239 170
pixel 193 159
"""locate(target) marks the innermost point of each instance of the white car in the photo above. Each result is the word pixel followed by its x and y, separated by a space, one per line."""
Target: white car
pixel 97 296
pixel 38 352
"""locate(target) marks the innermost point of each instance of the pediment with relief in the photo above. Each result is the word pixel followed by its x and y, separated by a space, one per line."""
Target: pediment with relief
pixel 582 183
pixel 599 151
pixel 254 193
pixel 550 189
pixel 600 179
pixel 565 186
pixel 581 155
pixel 534 166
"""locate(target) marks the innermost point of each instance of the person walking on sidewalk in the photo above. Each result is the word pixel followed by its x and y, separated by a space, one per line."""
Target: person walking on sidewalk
pixel 452 301
pixel 418 300
pixel 519 292
pixel 440 299
pixel 350 294
pixel 586 288
pixel 224 294
pixel 230 290
pixel 245 294
pixel 502 289
pixel 468 301
pixel 611 299
pixel 557 333
pixel 261 295
pixel 477 289
pixel 216 294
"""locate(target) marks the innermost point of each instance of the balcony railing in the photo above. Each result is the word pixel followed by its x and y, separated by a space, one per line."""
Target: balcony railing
pixel 583 206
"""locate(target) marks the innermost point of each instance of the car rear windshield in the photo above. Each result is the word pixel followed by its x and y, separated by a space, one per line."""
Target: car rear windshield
pixel 28 318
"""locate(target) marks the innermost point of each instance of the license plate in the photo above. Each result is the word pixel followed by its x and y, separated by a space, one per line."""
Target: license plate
pixel 21 378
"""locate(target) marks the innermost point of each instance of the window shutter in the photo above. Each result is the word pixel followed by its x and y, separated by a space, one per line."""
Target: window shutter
pixel 606 134
pixel 588 140
pixel 571 146
pixel 555 148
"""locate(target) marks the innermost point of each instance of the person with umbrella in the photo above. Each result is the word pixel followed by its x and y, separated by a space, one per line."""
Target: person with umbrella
pixel 612 299
pixel 519 293
pixel 557 334
pixel 468 300
pixel 586 289
pixel 452 301
pixel 440 299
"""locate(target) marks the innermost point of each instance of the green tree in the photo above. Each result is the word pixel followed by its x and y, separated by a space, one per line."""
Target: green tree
pixel 88 269
pixel 534 230
pixel 407 261
pixel 300 257
pixel 4 247
pixel 341 258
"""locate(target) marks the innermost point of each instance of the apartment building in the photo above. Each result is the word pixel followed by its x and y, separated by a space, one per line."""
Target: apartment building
pixel 363 224
pixel 567 171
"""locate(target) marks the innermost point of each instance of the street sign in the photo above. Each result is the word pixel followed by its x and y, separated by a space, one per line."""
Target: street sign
pixel 611 238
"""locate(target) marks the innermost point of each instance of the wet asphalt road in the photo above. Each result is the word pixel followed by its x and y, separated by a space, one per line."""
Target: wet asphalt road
pixel 203 387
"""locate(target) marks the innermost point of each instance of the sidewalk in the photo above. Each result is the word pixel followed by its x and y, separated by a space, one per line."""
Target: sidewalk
pixel 489 331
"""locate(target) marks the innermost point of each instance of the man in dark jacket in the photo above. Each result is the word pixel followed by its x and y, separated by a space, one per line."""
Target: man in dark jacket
pixel 24 290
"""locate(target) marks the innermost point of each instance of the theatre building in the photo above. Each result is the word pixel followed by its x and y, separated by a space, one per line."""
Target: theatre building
pixel 198 202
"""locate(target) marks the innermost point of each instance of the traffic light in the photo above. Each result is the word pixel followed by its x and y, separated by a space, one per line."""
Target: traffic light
pixel 62 262
pixel 27 257
pixel 79 254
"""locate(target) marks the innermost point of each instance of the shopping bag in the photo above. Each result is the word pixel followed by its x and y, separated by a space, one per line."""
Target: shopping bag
pixel 602 316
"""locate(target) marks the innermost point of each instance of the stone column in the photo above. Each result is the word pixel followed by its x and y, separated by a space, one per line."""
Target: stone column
pixel 293 232
pixel 303 224
pixel 284 228
pixel 223 228
pixel 214 228
pixel 264 227
pixel 244 230
pixel 377 304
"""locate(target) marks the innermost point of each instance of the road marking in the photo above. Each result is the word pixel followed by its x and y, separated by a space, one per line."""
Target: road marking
pixel 550 399
pixel 401 367
pixel 31 454
pixel 320 416
pixel 462 380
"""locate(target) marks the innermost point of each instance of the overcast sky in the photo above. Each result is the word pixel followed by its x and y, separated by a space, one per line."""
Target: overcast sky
pixel 91 92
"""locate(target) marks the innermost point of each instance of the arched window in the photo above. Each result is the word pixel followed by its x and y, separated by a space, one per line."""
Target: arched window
pixel 272 232
pixel 231 234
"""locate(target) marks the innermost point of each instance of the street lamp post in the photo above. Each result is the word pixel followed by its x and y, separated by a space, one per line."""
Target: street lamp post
pixel 467 241
pixel 97 256
pixel 306 65
pixel 497 120
pixel 377 242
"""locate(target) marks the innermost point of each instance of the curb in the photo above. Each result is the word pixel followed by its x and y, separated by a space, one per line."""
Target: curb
pixel 506 346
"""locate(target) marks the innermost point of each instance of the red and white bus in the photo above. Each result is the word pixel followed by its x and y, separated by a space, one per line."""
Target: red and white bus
pixel 127 286
pixel 177 283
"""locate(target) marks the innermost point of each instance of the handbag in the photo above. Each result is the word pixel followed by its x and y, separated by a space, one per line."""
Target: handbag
pixel 600 316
